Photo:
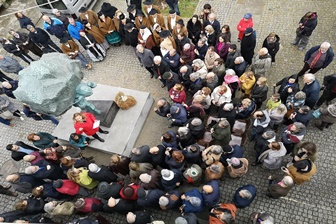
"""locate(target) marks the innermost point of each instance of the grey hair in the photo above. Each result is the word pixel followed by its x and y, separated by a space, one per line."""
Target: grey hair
pixel 263 50
pixel 245 194
pixel 239 59
pixel 217 149
pixel 288 181
pixel 157 58
pixel 310 77
pixel 139 46
pixel 182 131
pixel 228 106
pixel 299 126
pixel 282 109
pixel 230 72
pixel 223 123
pixel 325 45
pixel 49 207
pixel 300 95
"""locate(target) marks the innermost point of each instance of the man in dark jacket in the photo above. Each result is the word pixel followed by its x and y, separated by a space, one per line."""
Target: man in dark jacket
pixel 244 196
pixel 231 57
pixel 248 44
pixel 119 205
pixel 279 186
pixel 150 180
pixel 139 217
pixel 213 22
pixel 5 191
pixel 201 49
pixel 316 58
pixel 170 200
pixel 42 39
pixel 306 27
pixel 101 173
pixel 329 90
pixel 19 150
pixel 141 155
pixel 131 35
pixel 55 27
pixel 106 190
pixel 311 89
pixel 239 65
pixel 178 115
pixel 173 60
pixel 160 67
pixel 44 170
pixel 9 86
pixel 211 193
pixel 158 156
pixel 171 179
pixel 171 79
pixel 230 151
pixel 163 107
pixel 145 57
pixel 149 198
pixel 23 183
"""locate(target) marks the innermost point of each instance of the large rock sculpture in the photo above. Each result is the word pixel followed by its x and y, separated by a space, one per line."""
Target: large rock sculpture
pixel 48 85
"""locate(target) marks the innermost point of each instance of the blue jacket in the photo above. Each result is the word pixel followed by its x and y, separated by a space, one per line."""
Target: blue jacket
pixel 152 199
pixel 242 202
pixel 173 144
pixel 188 207
pixel 181 116
pixel 74 30
pixel 50 191
pixel 169 185
pixel 173 203
pixel 176 58
pixel 312 93
pixel 80 142
pixel 329 57
pixel 212 198
pixel 55 28
pixel 9 92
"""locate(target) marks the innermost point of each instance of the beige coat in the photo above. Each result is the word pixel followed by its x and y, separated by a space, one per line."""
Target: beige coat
pixel 234 173
pixel 210 60
pixel 63 208
pixel 169 25
pixel 209 175
pixel 90 16
pixel 209 157
pixel 182 30
pixel 107 26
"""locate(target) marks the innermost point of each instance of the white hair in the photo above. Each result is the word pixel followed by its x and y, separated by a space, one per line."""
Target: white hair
pixel 230 72
pixel 310 77
pixel 325 45
pixel 157 59
pixel 139 46
pixel 239 59
pixel 288 181
pixel 245 194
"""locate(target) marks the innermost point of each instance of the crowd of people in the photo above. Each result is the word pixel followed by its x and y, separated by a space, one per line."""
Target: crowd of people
pixel 215 94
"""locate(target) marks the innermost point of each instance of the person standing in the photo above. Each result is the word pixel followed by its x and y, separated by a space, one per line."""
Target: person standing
pixel 61 17
pixel 70 48
pixel 23 20
pixel 272 43
pixel 311 89
pixel 10 65
pixel 7 105
pixel 329 90
pixel 306 27
pixel 261 63
pixel 316 58
pixel 41 38
pixel 173 5
pixel 74 27
pixel 247 45
pixel 87 123
pixel 89 15
pixel 55 27
pixel 212 21
pixel 146 58
pixel 22 39
pixel 244 23
pixel 13 48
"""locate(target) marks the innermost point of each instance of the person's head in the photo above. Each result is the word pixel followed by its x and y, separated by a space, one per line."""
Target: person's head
pixel 154 150
pixel 115 159
pixel 12 147
pixel 258 115
pixel 287 181
pixel 221 39
pixel 67 161
pixel 56 12
pixel 271 37
pixel 186 47
pixel 157 27
pixel 262 81
pixel 297 127
pixel 232 48
pixel 262 218
pixel 136 151
pixel 130 217
pixel 1 57
pixel 205 91
pixel 308 15
pixel 172 13
pixel 178 156
pixel 222 89
pixel 33 137
pixel 212 17
pixel 194 19
pixel 309 148
pixel 74 136
pixel 172 52
pixel 304 109
pixel 200 43
pixel 225 29
pixel 210 76
pixel 246 103
pixel 73 174
pixel 46 19
pixel 31 169
pixel 218 61
pixel 12 32
pixel 178 87
pixel 50 206
pixel 239 60
pixel 21 205
pixel 6 85
pixel 209 29
pixel 247 16
pixel 80 203
pixel 37 192
pixel 230 72
pixel 133 166
pixel 249 74
pixel 140 48
pixel 167 137
pixel 245 194
pixel 82 33
pixel 300 95
pixel 268 135
pixel 228 106
pixel 12 177
pixel 72 21
pixel 78 117
pixel 223 123
pixel 292 79
pixel 308 78
pixel 31 28
pixel 157 60
pixel 207 8
pixel 275 97
pixel 179 24
pixel 282 109
pixel 274 146
pixel 211 50
pixel 19 15
pixel 263 51
pixel 162 102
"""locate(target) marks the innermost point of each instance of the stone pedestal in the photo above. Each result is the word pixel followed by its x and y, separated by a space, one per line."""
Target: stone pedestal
pixel 125 127
pixel 109 110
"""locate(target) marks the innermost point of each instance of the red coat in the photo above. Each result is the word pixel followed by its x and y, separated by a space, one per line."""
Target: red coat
pixel 69 187
pixel 179 96
pixel 134 197
pixel 88 204
pixel 242 26
pixel 87 125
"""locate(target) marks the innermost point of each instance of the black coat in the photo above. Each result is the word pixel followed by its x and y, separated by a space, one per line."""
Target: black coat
pixel 122 207
pixel 230 58
pixel 329 81
pixel 35 206
pixel 108 10
pixel 259 93
pixel 274 47
pixel 240 68
pixel 39 37
pixel 215 25
pixel 104 174
pixel 142 217
pixel 131 38
pixel 212 39
pixel 229 115
pixel 202 51
pixel 158 159
pixel 247 46
pixel 192 157
pixel 309 24
pixel 171 184
pixel 151 199
pixel 13 215
pixel 186 140
pixel 194 30
pixel 283 90
pixel 26 183
pixel 173 203
pixel 25 21
pixel 163 67
pixel 55 172
pixel 164 110
pixel 85 42
pixel 17 156
pixel 196 131
pixel 144 157
pixel 12 48
pixel 170 83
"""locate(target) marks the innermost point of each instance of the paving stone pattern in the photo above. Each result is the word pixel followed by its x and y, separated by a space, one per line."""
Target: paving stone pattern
pixel 313 202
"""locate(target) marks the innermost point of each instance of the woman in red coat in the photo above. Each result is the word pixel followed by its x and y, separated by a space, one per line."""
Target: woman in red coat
pixel 177 94
pixel 84 122
pixel 244 23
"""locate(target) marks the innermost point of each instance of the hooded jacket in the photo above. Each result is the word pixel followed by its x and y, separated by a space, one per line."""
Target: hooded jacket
pixel 151 199
pixel 104 174
pixel 272 47
pixel 274 157
pixel 309 24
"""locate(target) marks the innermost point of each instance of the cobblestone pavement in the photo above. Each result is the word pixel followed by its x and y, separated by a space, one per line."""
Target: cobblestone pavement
pixel 312 202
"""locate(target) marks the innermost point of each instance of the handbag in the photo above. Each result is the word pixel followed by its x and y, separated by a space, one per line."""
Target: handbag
pixel 299 31
pixel 317 113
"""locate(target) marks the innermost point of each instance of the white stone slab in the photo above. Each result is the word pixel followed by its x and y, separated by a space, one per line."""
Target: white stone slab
pixel 125 127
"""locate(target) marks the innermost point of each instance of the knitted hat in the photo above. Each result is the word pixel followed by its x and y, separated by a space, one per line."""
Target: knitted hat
pixel 111 202
pixel 167 174
pixel 141 193
pixel 248 30
pixel 128 191
pixel 247 16
pixel 181 220
pixel 166 75
pixel 195 201
pixel 30 170
pixel 130 217
pixel 79 203
pixel 93 167
pixel 173 109
pixel 146 178
pixel 196 122
pixel 163 201
pixel 58 183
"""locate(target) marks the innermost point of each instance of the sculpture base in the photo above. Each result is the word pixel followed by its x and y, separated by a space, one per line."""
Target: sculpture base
pixel 109 110
pixel 126 125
